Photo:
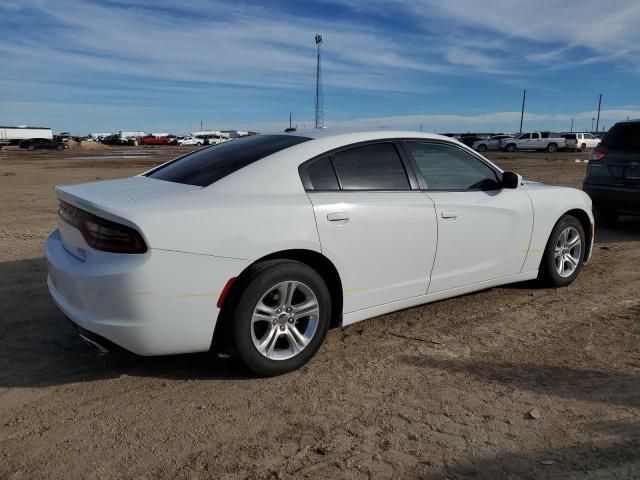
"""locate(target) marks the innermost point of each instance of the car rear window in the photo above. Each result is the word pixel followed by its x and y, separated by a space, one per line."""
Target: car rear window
pixel 623 136
pixel 207 166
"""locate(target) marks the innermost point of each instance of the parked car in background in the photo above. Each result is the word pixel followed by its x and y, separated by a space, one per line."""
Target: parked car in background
pixel 470 139
pixel 613 173
pixel 491 143
pixel 264 241
pixel 153 140
pixel 190 141
pixel 580 141
pixel 116 139
pixel 549 141
pixel 42 143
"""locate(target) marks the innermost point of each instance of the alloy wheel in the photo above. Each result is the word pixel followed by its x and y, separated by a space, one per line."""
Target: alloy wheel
pixel 568 252
pixel 285 320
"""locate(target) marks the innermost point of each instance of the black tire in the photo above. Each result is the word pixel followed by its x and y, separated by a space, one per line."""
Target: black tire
pixel 31 147
pixel 583 147
pixel 482 147
pixel 59 147
pixel 511 147
pixel 552 148
pixel 605 215
pixel 261 279
pixel 548 274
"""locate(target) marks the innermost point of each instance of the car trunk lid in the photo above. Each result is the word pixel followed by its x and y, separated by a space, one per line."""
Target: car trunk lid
pixel 107 202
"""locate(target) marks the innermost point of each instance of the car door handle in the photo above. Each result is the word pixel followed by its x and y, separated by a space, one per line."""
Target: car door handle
pixel 449 215
pixel 338 217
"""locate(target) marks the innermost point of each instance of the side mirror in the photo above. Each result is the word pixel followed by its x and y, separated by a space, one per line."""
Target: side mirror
pixel 511 180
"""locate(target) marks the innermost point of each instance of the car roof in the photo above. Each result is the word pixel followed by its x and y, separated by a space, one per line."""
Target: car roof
pixel 352 136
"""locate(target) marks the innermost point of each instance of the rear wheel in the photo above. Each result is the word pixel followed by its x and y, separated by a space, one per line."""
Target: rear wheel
pixel 564 254
pixel 59 147
pixel 511 147
pixel 552 148
pixel 281 318
pixel 31 147
pixel 482 148
pixel 583 147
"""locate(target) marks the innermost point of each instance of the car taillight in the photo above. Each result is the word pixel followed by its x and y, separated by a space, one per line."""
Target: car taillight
pixel 597 155
pixel 102 234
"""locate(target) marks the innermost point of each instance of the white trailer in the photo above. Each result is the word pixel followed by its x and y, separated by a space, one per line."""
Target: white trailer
pixel 14 135
pixel 211 137
pixel 124 134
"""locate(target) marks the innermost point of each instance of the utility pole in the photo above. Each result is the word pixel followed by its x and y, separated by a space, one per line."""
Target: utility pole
pixel 592 120
pixel 599 105
pixel 524 97
pixel 319 109
pixel 572 125
pixel 289 119
pixel 201 125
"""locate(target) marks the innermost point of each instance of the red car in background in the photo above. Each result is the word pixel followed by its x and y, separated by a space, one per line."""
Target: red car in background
pixel 151 140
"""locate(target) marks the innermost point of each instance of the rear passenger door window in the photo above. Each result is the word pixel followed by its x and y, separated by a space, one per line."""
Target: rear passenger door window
pixel 322 176
pixel 371 167
pixel 447 167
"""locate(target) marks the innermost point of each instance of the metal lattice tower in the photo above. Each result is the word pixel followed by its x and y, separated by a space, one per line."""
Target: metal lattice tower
pixel 319 100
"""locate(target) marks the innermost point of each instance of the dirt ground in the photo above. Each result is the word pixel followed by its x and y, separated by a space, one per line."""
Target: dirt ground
pixel 437 391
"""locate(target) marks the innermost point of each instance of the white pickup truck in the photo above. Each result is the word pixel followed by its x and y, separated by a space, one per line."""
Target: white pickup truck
pixel 549 141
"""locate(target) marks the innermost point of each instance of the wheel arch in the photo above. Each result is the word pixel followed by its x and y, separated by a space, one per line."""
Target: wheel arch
pixel 321 264
pixel 585 221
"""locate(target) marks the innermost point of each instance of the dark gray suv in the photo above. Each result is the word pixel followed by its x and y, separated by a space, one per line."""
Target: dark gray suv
pixel 613 175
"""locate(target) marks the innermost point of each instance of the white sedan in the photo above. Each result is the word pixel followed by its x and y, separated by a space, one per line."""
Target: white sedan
pixel 264 242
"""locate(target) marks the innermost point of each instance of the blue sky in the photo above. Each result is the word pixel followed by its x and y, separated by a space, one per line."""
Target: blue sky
pixel 455 65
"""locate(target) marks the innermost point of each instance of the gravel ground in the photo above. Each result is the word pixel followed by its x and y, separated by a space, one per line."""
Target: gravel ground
pixel 516 382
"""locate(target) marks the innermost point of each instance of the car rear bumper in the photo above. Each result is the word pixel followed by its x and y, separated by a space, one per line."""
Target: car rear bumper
pixel 159 303
pixel 625 199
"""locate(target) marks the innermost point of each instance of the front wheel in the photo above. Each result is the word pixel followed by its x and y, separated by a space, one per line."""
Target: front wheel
pixel 281 318
pixel 511 147
pixel 31 147
pixel 564 254
pixel 552 148
pixel 482 148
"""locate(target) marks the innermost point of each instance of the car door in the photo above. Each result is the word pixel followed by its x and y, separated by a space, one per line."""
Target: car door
pixel 483 230
pixel 536 141
pixel 524 141
pixel 378 231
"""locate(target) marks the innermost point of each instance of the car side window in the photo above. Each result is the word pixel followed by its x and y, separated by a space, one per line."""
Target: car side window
pixel 525 136
pixel 371 167
pixel 535 136
pixel 322 176
pixel 447 167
